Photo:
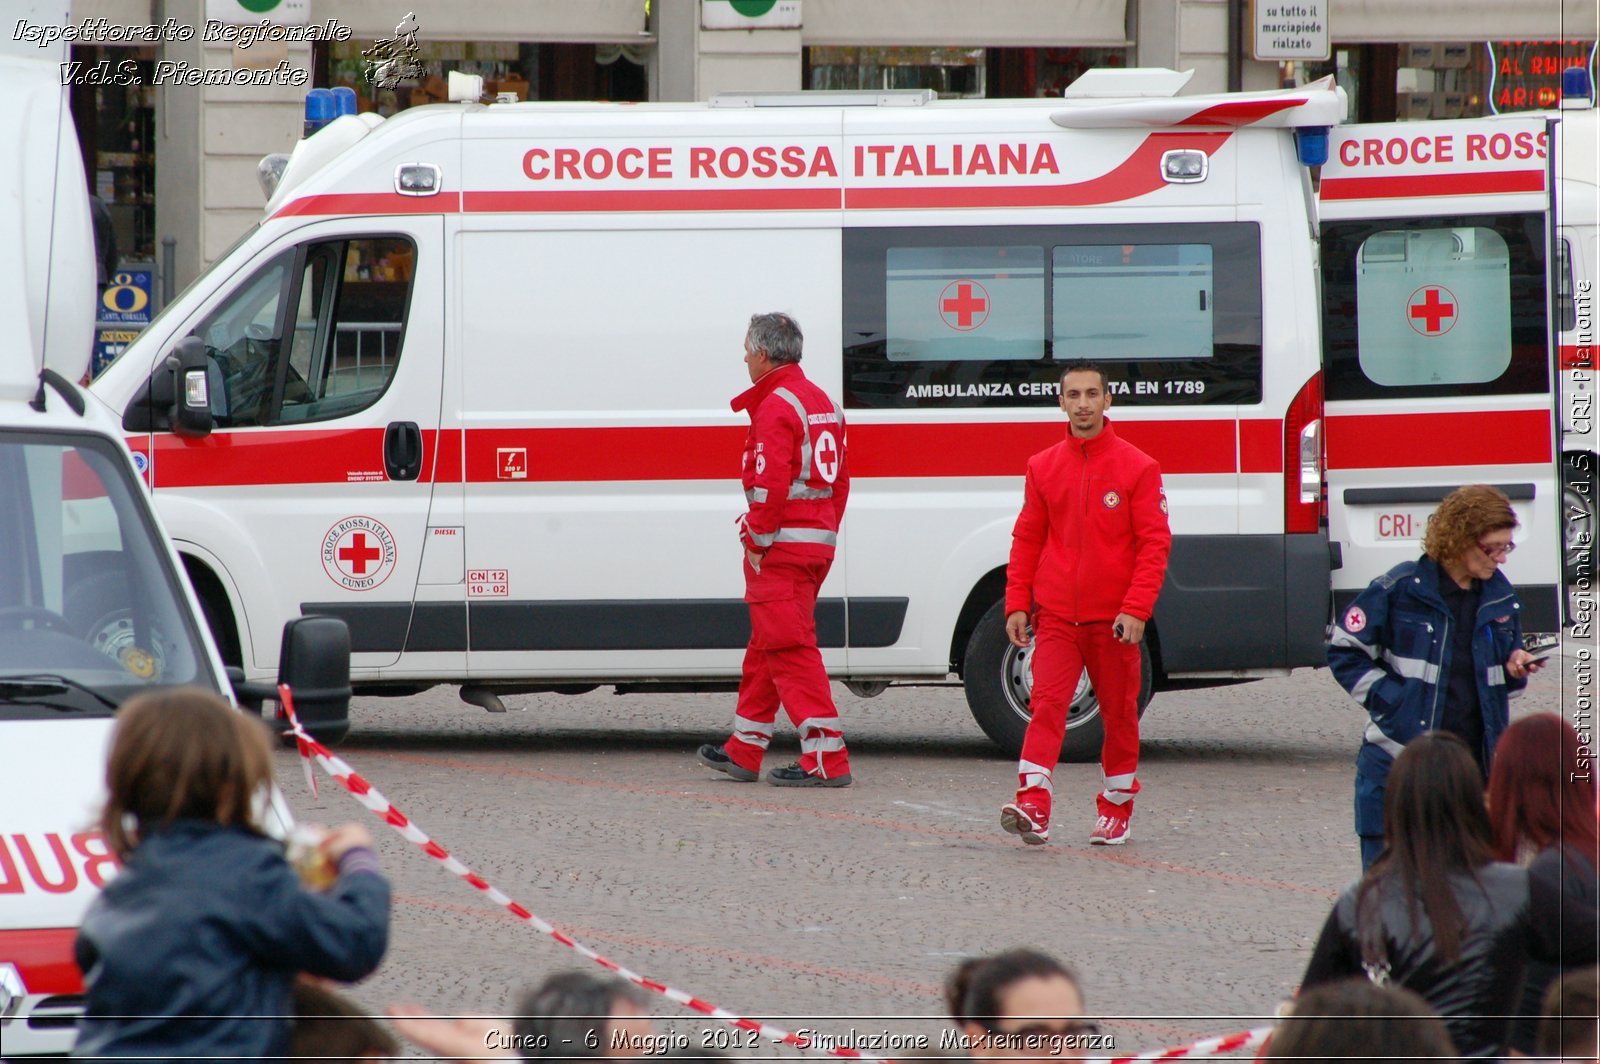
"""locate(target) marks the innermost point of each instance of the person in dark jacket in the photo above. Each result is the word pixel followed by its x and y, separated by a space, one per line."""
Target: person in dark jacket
pixel 1542 807
pixel 1434 644
pixel 1436 914
pixel 191 951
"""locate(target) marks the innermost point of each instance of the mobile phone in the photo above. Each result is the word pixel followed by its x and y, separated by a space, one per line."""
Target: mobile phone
pixel 1118 629
pixel 1540 660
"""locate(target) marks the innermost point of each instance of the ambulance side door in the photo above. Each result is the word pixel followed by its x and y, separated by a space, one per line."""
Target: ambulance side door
pixel 313 488
pixel 1437 342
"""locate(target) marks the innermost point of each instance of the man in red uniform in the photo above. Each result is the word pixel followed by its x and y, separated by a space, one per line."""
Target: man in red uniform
pixel 796 483
pixel 1088 555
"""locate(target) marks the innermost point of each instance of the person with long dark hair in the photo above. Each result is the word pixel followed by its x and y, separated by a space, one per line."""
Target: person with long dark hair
pixel 1020 1004
pixel 1436 913
pixel 1542 809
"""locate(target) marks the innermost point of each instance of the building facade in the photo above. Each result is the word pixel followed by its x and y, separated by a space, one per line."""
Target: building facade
pixel 176 162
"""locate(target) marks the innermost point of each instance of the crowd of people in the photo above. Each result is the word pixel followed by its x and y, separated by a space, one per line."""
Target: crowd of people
pixel 1471 932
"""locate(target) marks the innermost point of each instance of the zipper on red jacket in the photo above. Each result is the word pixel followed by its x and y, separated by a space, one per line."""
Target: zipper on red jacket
pixel 1083 521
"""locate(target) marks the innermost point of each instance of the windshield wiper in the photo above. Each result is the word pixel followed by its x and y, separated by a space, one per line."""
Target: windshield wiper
pixel 39 685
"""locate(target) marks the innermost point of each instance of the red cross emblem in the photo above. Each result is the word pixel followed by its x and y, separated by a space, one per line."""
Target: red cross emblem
pixel 964 305
pixel 1432 310
pixel 827 456
pixel 358 553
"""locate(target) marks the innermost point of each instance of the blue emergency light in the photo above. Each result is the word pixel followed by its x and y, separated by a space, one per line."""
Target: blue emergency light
pixel 344 100
pixel 1575 87
pixel 1311 142
pixel 319 109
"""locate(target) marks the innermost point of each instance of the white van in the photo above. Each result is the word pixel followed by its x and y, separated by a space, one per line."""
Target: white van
pixel 470 376
pixel 93 604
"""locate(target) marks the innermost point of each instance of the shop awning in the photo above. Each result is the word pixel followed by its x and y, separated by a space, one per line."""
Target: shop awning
pixel 582 21
pixel 990 23
pixel 1384 21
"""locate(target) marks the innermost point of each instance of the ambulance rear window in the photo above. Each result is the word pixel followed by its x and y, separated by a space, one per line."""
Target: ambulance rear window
pixel 1434 307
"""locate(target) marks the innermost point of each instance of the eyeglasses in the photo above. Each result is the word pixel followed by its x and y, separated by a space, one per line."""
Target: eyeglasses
pixel 1497 550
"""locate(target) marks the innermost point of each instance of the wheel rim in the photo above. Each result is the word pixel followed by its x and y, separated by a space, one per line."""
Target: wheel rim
pixel 1579 523
pixel 1016 680
pixel 113 637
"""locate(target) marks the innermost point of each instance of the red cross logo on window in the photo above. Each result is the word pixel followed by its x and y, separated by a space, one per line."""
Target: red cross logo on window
pixel 1432 310
pixel 964 305
pixel 358 554
pixel 827 456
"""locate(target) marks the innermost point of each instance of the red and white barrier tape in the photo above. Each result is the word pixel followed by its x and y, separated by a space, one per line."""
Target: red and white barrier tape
pixel 382 808
pixel 1207 1047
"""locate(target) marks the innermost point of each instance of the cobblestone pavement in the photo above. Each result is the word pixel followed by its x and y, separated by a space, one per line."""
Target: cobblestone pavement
pixel 840 911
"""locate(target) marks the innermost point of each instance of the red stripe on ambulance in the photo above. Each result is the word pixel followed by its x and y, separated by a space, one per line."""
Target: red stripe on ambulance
pixel 1417 186
pixel 1404 441
pixel 43 958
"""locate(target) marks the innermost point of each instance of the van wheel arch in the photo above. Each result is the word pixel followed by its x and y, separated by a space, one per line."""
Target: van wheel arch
pixel 217 608
pixel 984 594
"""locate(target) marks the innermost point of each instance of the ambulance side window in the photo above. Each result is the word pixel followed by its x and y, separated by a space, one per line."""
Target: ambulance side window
pixel 349 321
pixel 241 338
pixel 1566 309
pixel 314 335
pixel 1434 307
pixel 985 316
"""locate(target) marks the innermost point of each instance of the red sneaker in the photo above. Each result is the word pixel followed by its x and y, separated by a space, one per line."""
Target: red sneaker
pixel 1110 831
pixel 1023 818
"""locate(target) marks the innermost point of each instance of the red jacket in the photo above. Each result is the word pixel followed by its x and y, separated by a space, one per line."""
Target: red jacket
pixel 1092 539
pixel 795 477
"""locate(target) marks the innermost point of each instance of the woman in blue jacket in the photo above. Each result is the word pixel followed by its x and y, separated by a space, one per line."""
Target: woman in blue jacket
pixel 1434 645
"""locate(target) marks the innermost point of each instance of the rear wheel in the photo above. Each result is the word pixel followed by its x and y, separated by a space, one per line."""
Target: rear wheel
pixel 999 682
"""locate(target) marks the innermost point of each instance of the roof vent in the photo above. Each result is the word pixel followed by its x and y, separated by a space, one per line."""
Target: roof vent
pixel 1128 83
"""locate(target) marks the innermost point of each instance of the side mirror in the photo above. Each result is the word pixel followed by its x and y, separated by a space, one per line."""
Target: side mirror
pixel 178 396
pixel 315 662
pixel 190 413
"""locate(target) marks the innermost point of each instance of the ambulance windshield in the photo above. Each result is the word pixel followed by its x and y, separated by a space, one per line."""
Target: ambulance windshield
pixel 91 609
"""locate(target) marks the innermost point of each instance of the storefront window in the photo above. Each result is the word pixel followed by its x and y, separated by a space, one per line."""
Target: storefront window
pixel 529 71
pixel 113 109
pixel 1446 79
pixel 957 72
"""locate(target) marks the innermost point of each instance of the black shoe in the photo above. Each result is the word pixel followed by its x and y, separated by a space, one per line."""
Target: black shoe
pixel 713 756
pixel 795 776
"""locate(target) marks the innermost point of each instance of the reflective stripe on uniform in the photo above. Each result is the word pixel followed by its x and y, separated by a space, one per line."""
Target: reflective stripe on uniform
pixel 761 539
pixel 800 535
pixel 1495 676
pixel 1412 668
pixel 1363 687
pixel 755 495
pixel 752 732
pixel 805 430
pixel 1117 797
pixel 799 490
pixel 1035 776
pixel 1342 638
pixel 1376 737
pixel 1119 783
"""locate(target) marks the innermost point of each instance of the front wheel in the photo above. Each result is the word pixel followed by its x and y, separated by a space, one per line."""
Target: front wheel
pixel 999 683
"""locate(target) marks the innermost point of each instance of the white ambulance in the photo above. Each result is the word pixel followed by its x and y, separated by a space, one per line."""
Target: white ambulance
pixel 93 604
pixel 470 378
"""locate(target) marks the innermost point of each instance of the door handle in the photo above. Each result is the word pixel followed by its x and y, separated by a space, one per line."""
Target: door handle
pixel 402 450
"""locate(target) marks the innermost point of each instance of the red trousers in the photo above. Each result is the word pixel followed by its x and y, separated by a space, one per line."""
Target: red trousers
pixel 1062 651
pixel 782 666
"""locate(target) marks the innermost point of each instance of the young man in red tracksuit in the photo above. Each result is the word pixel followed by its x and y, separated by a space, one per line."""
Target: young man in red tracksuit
pixel 796 483
pixel 1088 555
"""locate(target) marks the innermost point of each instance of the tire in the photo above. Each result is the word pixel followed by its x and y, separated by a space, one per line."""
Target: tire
pixel 999 679
pixel 1577 511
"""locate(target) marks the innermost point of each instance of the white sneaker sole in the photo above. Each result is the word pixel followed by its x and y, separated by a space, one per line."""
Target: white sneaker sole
pixel 1015 821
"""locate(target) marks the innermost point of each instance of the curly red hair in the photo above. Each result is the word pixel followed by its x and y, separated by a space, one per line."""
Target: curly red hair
pixel 1463 518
